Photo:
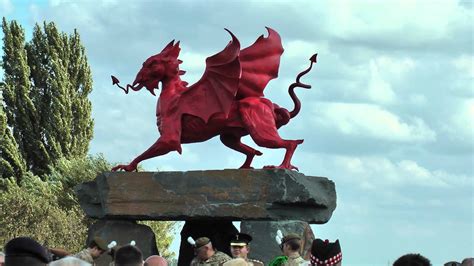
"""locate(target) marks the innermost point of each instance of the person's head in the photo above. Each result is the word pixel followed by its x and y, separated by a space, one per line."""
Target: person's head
pixel 412 260
pixel 203 248
pixel 156 260
pixel 97 247
pixel 69 261
pixel 325 252
pixel 467 262
pixel 236 262
pixel 2 258
pixel 22 251
pixel 128 256
pixel 240 245
pixel 290 244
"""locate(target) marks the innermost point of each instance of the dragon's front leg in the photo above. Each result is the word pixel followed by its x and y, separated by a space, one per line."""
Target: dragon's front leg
pixel 161 147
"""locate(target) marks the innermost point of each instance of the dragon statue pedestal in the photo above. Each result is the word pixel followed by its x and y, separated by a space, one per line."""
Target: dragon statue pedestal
pixel 210 200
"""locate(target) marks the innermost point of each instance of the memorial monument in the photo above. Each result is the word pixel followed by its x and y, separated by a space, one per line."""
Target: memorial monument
pixel 228 102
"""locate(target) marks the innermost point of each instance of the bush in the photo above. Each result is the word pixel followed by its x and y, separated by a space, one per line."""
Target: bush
pixel 31 209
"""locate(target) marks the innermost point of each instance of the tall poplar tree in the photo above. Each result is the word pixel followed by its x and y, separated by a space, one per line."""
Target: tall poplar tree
pixel 22 115
pixel 51 77
pixel 11 161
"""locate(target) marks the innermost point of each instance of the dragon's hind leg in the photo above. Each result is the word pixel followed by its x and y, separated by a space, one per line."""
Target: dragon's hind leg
pixel 258 117
pixel 233 142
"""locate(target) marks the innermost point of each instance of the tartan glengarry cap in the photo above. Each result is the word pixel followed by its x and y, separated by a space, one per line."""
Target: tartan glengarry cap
pixel 240 239
pixel 202 241
pixel 26 247
pixel 325 252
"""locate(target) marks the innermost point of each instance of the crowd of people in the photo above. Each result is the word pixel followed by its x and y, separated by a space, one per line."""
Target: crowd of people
pixel 25 251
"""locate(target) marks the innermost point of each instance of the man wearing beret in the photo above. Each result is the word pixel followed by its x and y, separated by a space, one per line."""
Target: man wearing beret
pixel 23 251
pixel 96 247
pixel 240 248
pixel 290 246
pixel 206 254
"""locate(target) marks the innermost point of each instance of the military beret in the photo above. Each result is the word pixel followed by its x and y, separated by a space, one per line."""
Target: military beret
pixel 289 237
pixel 101 243
pixel 26 247
pixel 240 240
pixel 325 252
pixel 202 241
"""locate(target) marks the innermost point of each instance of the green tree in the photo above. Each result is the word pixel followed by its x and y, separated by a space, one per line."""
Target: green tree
pixel 11 161
pixel 21 112
pixel 46 87
pixel 31 209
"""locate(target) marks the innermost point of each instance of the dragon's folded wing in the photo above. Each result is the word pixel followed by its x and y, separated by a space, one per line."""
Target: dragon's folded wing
pixel 260 63
pixel 217 88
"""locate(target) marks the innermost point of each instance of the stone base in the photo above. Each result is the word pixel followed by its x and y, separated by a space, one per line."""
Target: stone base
pixel 232 195
pixel 123 232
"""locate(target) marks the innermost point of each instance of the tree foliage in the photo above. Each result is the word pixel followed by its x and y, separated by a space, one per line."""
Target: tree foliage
pixel 45 130
pixel 46 86
pixel 11 161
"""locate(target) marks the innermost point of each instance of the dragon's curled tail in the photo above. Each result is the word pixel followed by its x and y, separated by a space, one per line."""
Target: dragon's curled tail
pixel 292 87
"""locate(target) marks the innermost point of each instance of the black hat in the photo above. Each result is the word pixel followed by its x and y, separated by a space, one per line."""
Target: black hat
pixel 202 241
pixel 325 253
pixel 240 240
pixel 26 247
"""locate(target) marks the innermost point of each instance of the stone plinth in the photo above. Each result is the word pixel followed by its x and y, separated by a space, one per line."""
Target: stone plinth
pixel 260 195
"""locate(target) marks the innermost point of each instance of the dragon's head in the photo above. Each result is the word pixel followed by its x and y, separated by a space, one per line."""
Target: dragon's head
pixel 160 67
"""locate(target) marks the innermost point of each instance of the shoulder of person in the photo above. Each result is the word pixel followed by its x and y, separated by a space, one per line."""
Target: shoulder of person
pixel 256 262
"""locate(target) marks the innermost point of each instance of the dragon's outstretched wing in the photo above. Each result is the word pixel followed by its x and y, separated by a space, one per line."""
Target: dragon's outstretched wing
pixel 260 63
pixel 217 88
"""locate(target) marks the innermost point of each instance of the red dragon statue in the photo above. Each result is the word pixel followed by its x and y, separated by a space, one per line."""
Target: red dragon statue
pixel 227 101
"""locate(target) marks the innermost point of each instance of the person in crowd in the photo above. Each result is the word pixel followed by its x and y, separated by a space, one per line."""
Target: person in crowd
pixel 467 262
pixel 69 261
pixel 236 262
pixel 156 260
pixel 95 249
pixel 129 255
pixel 290 245
pixel 205 253
pixel 23 251
pixel 325 253
pixel 2 259
pixel 412 260
pixel 240 248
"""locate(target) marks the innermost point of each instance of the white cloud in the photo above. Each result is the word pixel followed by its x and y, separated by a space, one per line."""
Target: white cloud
pixel 465 64
pixel 6 6
pixel 419 20
pixel 461 123
pixel 372 121
pixel 379 90
pixel 374 173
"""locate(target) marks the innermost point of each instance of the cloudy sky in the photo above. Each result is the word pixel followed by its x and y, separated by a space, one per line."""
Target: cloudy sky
pixel 389 117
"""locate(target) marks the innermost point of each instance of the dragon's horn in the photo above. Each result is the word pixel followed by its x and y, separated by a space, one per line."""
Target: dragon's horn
pixel 168 46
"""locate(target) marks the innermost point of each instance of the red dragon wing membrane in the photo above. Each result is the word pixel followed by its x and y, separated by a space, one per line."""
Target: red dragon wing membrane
pixel 217 88
pixel 260 63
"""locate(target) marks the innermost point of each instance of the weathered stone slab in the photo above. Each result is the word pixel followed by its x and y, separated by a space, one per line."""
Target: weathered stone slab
pixel 271 195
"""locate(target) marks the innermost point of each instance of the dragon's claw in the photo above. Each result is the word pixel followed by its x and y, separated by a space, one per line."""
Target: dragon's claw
pixel 125 167
pixel 289 167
